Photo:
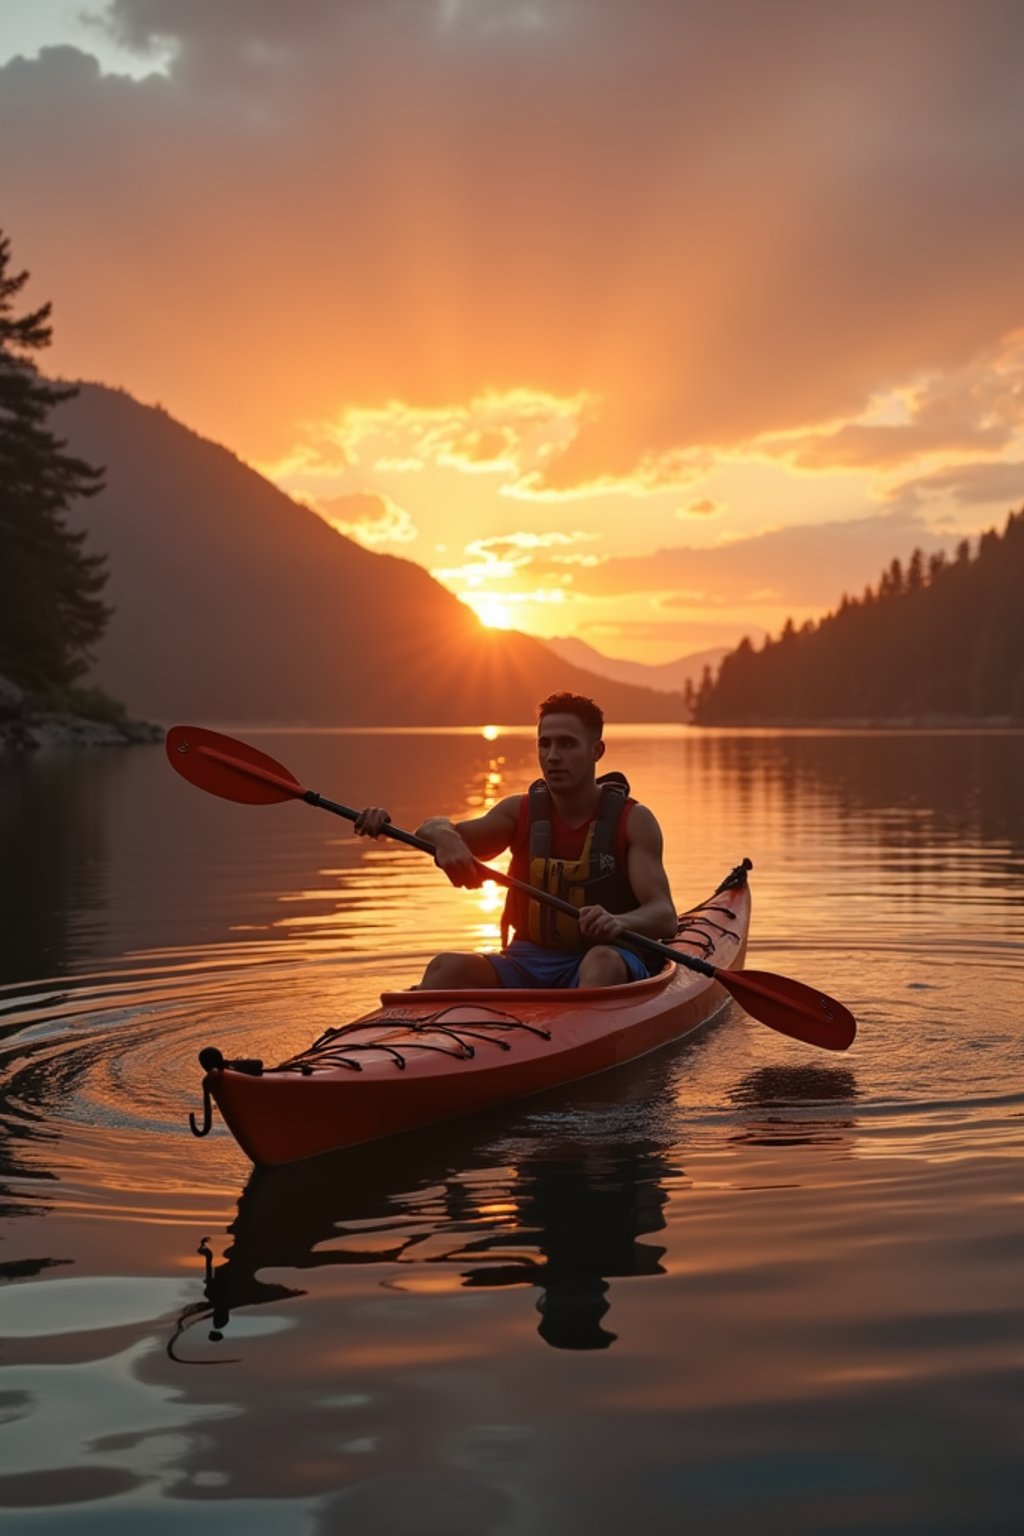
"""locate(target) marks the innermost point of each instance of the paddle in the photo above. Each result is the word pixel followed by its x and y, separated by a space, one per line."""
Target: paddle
pixel 235 771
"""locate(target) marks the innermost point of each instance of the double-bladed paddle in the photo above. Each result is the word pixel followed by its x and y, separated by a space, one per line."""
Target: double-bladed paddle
pixel 235 771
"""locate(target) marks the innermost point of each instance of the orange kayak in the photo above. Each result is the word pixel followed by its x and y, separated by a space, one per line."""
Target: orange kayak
pixel 425 1056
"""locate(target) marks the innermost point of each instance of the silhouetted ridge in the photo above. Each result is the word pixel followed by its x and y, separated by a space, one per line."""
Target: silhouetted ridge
pixel 666 676
pixel 940 639
pixel 233 603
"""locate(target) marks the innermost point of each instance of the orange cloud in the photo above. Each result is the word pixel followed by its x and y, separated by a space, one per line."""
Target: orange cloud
pixel 716 223
pixel 512 556
pixel 487 449
pixel 369 517
pixel 705 506
pixel 494 432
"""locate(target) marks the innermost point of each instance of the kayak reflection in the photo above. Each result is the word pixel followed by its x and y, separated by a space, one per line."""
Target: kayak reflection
pixel 551 1206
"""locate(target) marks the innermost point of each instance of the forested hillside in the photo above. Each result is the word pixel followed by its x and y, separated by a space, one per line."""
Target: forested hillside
pixel 938 639
pixel 234 604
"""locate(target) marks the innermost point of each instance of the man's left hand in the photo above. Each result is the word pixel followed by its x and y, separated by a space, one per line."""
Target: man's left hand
pixel 599 926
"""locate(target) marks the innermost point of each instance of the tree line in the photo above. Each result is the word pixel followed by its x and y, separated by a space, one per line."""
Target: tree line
pixel 942 637
pixel 52 613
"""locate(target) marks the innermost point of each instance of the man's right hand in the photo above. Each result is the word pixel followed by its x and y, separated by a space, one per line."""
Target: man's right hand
pixel 453 857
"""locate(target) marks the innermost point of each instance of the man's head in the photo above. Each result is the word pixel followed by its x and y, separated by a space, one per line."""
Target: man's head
pixel 569 743
pixel 589 714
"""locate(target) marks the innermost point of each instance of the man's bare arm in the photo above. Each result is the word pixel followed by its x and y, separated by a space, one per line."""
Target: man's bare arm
pixel 655 913
pixel 459 845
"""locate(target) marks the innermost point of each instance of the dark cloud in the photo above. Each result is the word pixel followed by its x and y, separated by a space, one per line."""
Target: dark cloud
pixel 143 23
pixel 878 448
pixel 968 485
pixel 793 565
pixel 976 409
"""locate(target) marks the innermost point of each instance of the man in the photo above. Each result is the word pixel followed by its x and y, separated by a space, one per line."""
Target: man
pixel 573 834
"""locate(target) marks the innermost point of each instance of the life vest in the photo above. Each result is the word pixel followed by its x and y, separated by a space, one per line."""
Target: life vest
pixel 596 877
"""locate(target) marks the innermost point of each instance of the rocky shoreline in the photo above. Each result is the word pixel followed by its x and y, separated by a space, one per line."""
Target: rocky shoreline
pixel 27 725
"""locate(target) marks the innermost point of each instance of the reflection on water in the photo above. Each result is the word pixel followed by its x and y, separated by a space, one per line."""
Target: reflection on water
pixel 778 1104
pixel 963 781
pixel 586 1217
pixel 778 1087
pixel 107 853
pixel 733 1282
pixel 563 1219
pixel 53 837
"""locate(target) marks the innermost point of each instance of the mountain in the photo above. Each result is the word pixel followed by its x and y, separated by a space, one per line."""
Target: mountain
pixel 665 676
pixel 234 604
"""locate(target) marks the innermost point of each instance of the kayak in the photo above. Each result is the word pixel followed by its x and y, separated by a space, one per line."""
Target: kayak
pixel 426 1056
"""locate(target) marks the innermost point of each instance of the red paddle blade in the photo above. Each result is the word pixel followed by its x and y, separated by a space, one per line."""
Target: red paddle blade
pixel 229 768
pixel 792 1008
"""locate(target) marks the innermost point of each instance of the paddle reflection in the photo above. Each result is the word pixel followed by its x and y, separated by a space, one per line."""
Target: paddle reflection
pixel 795 1105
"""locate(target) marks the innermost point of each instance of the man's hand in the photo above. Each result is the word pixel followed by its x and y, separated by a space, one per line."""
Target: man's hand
pixel 599 926
pixel 456 860
pixel 451 853
pixel 371 822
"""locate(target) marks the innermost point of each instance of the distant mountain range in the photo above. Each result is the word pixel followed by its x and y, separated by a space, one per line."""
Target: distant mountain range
pixel 234 604
pixel 665 676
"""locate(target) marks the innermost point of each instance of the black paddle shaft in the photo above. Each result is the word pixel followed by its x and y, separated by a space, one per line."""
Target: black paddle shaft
pixel 638 941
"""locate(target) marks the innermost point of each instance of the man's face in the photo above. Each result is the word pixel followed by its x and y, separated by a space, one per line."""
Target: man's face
pixel 567 752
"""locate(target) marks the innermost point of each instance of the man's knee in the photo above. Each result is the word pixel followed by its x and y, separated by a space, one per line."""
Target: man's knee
pixel 458 971
pixel 602 966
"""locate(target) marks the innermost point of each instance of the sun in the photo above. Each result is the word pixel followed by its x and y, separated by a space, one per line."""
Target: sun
pixel 490 609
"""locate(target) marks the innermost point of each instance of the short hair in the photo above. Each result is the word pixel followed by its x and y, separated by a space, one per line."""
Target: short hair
pixel 586 711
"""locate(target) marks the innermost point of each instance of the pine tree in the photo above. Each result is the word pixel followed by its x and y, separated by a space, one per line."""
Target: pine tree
pixel 51 611
pixel 942 638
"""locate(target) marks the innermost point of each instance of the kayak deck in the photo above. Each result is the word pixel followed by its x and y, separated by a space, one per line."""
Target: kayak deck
pixel 425 1056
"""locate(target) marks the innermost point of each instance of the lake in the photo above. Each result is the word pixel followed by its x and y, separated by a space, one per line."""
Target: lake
pixel 740 1284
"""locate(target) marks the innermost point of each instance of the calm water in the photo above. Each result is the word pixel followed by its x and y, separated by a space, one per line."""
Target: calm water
pixel 739 1285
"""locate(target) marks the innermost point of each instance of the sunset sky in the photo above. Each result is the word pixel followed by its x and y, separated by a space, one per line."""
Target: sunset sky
pixel 650 321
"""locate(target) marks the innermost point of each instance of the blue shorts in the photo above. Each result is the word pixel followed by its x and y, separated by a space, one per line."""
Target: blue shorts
pixel 525 964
